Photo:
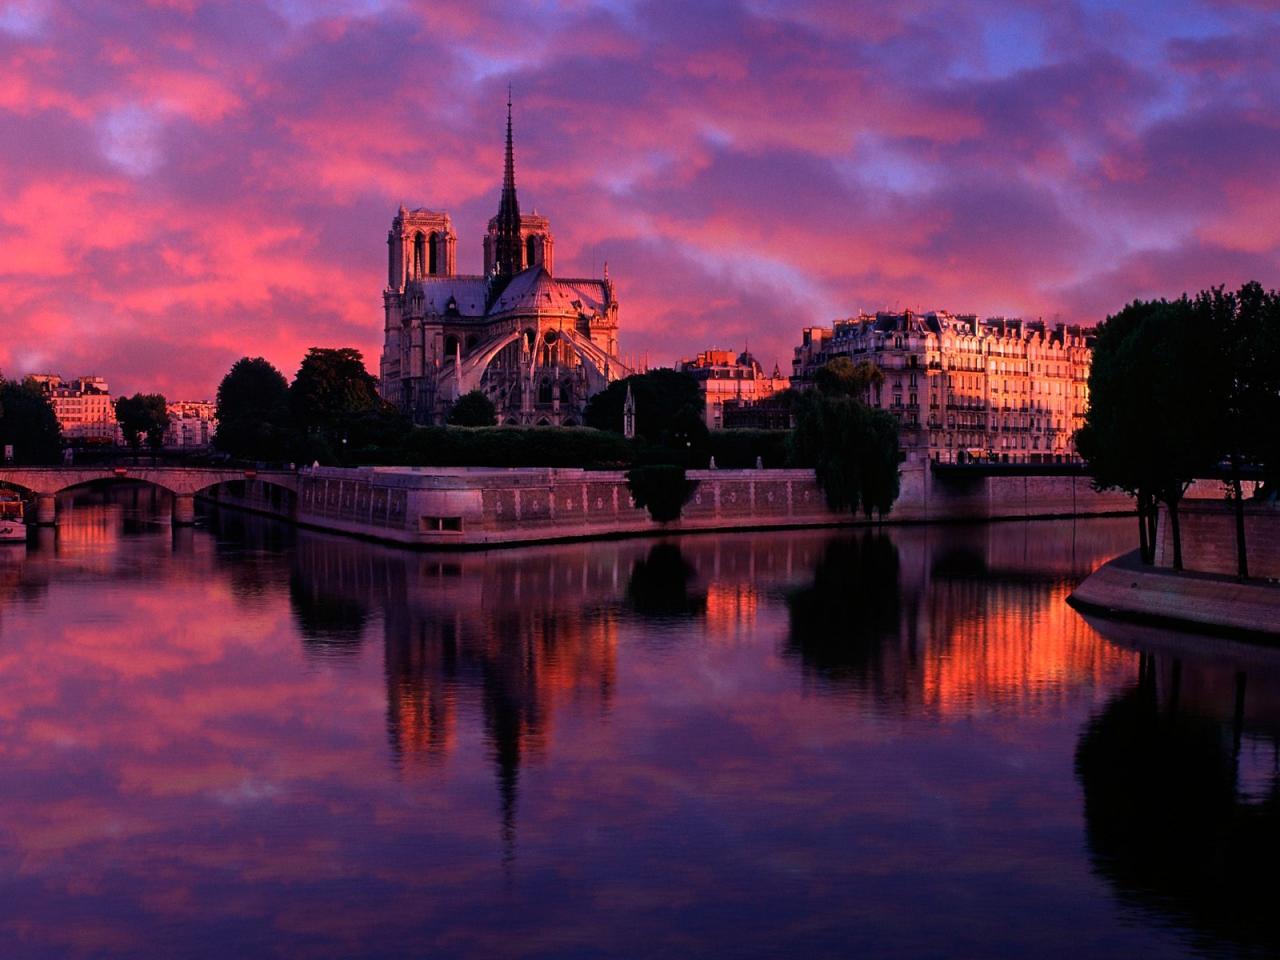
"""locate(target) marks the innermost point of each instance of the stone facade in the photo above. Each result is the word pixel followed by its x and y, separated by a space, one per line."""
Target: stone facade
pixel 83 407
pixel 537 345
pixel 475 506
pixel 725 377
pixel 1011 391
pixel 192 424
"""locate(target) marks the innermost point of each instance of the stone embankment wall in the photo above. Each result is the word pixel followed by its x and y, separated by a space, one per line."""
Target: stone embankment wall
pixel 477 506
pixel 1209 537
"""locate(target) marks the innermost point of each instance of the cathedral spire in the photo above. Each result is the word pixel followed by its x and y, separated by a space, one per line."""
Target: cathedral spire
pixel 507 253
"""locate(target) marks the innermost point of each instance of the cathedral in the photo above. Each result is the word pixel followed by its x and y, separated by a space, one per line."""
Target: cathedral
pixel 537 345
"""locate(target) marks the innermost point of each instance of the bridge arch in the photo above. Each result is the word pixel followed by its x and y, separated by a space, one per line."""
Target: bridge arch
pixel 44 484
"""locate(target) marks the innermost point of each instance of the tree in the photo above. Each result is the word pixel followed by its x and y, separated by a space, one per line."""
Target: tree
pixel 840 376
pixel 1149 427
pixel 332 385
pixel 144 415
pixel 662 489
pixel 852 449
pixel 335 403
pixel 669 406
pixel 1244 383
pixel 473 409
pixel 28 424
pixel 254 421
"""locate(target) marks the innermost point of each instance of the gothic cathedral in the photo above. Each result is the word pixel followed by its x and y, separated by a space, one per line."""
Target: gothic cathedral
pixel 537 345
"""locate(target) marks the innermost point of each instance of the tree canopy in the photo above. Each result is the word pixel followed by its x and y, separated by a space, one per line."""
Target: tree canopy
pixel 1176 389
pixel 852 447
pixel 337 410
pixel 669 412
pixel 28 424
pixel 254 420
pixel 143 416
pixel 332 386
pixel 473 409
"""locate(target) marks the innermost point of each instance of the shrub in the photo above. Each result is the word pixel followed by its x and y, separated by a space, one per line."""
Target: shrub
pixel 662 489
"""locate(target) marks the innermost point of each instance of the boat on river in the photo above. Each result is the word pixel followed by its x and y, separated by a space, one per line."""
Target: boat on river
pixel 13 529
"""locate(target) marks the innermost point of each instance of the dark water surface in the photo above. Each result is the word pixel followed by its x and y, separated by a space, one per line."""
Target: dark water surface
pixel 243 741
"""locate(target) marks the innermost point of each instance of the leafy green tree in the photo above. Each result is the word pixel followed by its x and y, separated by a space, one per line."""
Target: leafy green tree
pixel 28 423
pixel 143 416
pixel 473 409
pixel 254 421
pixel 852 448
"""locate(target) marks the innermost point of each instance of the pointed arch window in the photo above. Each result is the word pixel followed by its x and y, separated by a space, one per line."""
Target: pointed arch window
pixel 419 254
pixel 432 263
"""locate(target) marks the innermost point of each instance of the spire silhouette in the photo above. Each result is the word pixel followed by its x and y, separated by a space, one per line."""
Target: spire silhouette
pixel 507 252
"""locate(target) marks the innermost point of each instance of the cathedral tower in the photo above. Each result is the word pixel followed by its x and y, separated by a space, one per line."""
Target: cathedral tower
pixel 516 241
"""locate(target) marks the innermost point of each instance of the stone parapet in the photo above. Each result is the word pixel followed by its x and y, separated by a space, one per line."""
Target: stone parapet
pixel 463 506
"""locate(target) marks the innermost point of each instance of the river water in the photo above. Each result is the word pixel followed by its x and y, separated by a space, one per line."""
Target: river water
pixel 241 740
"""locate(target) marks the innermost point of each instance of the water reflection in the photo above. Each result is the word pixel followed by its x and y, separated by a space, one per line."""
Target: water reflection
pixel 1181 779
pixel 849 620
pixel 247 740
pixel 660 584
pixel 950 621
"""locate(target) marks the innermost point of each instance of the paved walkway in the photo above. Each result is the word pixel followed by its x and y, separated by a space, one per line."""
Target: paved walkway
pixel 1126 589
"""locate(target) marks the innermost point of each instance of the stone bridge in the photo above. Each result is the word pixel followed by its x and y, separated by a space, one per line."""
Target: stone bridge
pixel 45 483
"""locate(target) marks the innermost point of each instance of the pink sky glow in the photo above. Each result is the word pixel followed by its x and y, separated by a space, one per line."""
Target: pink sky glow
pixel 185 183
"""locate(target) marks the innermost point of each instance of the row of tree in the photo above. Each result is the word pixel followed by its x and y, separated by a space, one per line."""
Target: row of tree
pixel 329 413
pixel 29 425
pixel 332 413
pixel 1182 389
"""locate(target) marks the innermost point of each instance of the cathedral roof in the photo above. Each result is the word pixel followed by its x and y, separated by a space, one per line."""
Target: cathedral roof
pixel 467 294
pixel 532 291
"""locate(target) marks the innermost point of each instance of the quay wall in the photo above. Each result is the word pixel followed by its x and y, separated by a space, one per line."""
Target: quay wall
pixel 1208 529
pixel 484 506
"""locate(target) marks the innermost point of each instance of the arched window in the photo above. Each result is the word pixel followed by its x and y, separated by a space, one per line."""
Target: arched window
pixel 431 254
pixel 530 247
pixel 419 254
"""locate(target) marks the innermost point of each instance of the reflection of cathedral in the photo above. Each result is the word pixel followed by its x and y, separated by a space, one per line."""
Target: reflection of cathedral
pixel 537 345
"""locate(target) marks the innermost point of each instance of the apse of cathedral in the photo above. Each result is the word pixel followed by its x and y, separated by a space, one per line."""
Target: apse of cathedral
pixel 537 345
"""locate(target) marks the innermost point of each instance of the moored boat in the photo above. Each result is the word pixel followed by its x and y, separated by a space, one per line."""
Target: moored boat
pixel 12 527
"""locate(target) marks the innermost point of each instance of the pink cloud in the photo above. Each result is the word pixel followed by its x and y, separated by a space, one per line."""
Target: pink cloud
pixel 203 181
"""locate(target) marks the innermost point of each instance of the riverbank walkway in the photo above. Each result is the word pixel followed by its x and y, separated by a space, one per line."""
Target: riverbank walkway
pixel 1127 589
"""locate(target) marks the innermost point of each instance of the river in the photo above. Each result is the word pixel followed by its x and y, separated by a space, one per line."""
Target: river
pixel 242 740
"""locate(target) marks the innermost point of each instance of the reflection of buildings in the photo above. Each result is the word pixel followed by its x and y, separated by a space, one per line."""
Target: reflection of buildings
pixel 1180 815
pixel 952 620
pixel 515 640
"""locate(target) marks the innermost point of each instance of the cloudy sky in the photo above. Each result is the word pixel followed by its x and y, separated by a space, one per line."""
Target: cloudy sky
pixel 183 183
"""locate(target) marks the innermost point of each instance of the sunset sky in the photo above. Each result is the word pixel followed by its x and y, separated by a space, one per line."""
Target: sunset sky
pixel 184 183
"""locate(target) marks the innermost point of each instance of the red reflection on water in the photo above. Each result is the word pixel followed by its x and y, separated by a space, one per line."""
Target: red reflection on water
pixel 212 738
